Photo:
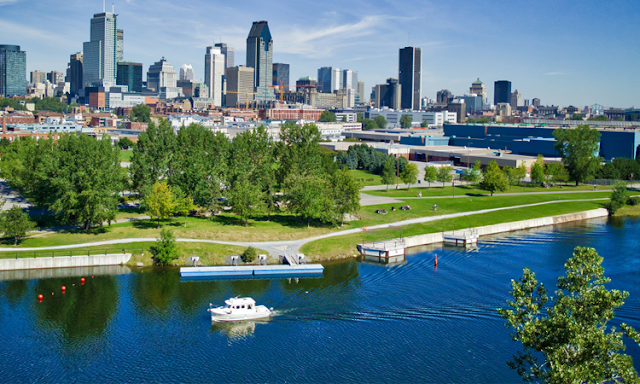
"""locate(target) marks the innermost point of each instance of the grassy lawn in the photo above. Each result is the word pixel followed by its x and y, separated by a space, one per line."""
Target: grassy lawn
pixel 437 190
pixel 126 155
pixel 228 227
pixel 346 245
pixel 210 254
pixel 365 177
pixel 628 210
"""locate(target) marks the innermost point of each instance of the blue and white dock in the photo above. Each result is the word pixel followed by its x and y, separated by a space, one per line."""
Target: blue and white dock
pixel 248 271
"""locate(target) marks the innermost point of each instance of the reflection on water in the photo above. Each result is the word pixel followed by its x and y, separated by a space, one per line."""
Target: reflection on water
pixel 359 322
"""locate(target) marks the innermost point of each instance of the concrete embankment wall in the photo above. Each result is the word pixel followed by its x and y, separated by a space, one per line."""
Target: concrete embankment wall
pixel 49 273
pixel 432 238
pixel 64 262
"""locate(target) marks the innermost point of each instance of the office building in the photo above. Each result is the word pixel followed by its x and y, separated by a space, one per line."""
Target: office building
pixel 37 77
pixel 186 72
pixel 100 58
pixel 444 96
pixel 329 79
pixel 130 74
pixel 229 55
pixel 410 77
pixel 240 91
pixel 74 73
pixel 260 58
pixel 13 71
pixel 281 75
pixel 55 77
pixel 516 100
pixel 478 88
pixel 473 102
pixel 306 83
pixel 347 79
pixel 162 78
pixel 360 92
pixel 387 95
pixel 213 74
pixel 502 92
pixel 119 45
pixel 535 102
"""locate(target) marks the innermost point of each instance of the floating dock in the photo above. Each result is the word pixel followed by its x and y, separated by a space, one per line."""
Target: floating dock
pixel 244 271
pixel 383 251
pixel 467 237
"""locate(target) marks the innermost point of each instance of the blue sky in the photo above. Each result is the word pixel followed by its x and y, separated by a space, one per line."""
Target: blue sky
pixel 563 52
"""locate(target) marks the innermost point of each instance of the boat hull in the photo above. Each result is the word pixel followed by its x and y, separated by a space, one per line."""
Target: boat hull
pixel 222 314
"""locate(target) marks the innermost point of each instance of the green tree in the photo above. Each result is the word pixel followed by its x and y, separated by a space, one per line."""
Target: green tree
pixel 160 203
pixel 569 331
pixel 360 117
pixel 424 124
pixel 345 193
pixel 182 204
pixel 153 156
pixel 406 121
pixel 368 124
pixel 510 174
pixel 306 196
pixel 579 151
pixel 247 199
pixel 249 255
pixel 388 174
pixel 298 150
pixel 140 113
pixel 380 121
pixel 164 251
pixel 598 118
pixel 520 172
pixel 494 179
pixel 125 142
pixel 430 174
pixel 474 174
pixel 557 172
pixel 327 117
pixel 618 197
pixel 410 174
pixel 577 116
pixel 15 224
pixel 537 171
pixel 444 174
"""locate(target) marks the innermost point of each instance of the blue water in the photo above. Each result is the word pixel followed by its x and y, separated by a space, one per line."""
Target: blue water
pixel 360 322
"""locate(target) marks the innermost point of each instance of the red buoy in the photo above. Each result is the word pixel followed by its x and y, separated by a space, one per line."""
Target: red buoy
pixel 40 297
pixel 435 263
pixel 82 280
pixel 63 288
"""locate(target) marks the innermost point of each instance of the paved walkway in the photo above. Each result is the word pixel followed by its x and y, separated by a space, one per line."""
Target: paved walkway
pixel 278 247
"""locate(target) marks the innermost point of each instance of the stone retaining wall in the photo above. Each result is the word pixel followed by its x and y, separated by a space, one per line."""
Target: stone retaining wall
pixel 64 261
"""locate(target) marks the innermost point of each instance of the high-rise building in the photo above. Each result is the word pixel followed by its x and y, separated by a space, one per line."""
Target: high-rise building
pixel 229 55
pixel 410 77
pixel 360 92
pixel 281 75
pixel 161 75
pixel 100 57
pixel 240 86
pixel 130 74
pixel 306 83
pixel 347 79
pixel 38 77
pixel 515 100
pixel 13 71
pixel 535 102
pixel 186 72
pixel 444 96
pixel 119 45
pixel 387 95
pixel 260 58
pixel 501 92
pixel 74 73
pixel 55 77
pixel 213 74
pixel 329 79
pixel 478 88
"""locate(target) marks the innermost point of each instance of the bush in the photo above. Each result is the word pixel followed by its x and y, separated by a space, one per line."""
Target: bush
pixel 164 251
pixel 633 200
pixel 249 255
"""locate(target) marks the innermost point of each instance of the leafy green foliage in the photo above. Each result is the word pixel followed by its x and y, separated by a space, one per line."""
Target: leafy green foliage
pixel 249 255
pixel 578 148
pixel 618 197
pixel 246 198
pixel 409 175
pixel 569 331
pixel 344 191
pixel 494 179
pixel 327 117
pixel 140 113
pixel 430 174
pixel 125 142
pixel 405 121
pixel 380 121
pixel 444 174
pixel 388 174
pixel 368 124
pixel 557 172
pixel 474 174
pixel 537 170
pixel 160 203
pixel 153 156
pixel 15 224
pixel 598 118
pixel 164 251
pixel 52 104
pixel 11 103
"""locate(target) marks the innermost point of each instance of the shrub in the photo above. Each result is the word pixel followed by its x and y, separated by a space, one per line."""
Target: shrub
pixel 249 255
pixel 633 200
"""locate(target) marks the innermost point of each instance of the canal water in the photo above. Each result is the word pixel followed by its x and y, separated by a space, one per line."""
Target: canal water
pixel 360 322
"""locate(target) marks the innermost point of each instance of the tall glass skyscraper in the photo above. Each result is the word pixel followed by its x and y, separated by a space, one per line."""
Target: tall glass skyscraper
pixel 13 71
pixel 100 57
pixel 281 75
pixel 260 58
pixel 410 77
pixel 501 92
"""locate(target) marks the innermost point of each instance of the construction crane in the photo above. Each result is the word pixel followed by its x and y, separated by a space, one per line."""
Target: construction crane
pixel 244 93
pixel 281 88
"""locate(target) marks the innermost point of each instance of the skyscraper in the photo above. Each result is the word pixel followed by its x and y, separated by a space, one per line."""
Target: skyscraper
pixel 213 74
pixel 186 72
pixel 387 95
pixel 281 75
pixel 130 74
pixel 478 88
pixel 515 100
pixel 360 93
pixel 13 71
pixel 161 74
pixel 444 96
pixel 74 73
pixel 410 77
pixel 229 55
pixel 100 58
pixel 38 77
pixel 501 92
pixel 55 77
pixel 239 86
pixel 329 79
pixel 119 45
pixel 260 58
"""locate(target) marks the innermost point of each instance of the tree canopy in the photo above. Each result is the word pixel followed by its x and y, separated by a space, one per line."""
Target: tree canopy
pixel 15 224
pixel 140 113
pixel 327 117
pixel 410 174
pixel 405 121
pixel 579 148
pixel 566 338
pixel 494 179
pixel 380 121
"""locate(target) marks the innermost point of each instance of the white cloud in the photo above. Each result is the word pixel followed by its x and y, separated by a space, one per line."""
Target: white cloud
pixel 555 73
pixel 7 2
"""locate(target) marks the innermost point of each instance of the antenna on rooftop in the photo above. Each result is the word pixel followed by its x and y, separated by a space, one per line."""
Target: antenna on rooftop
pixel 103 6
pixel 113 8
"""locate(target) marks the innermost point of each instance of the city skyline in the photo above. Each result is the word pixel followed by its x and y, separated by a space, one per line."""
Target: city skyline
pixel 553 52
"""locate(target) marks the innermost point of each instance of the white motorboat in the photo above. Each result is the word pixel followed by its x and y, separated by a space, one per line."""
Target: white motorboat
pixel 238 309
